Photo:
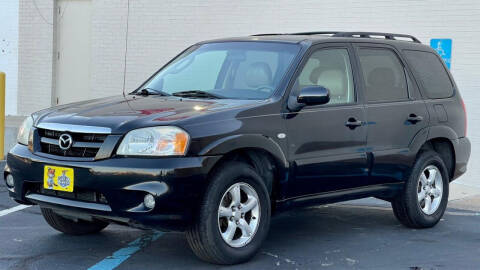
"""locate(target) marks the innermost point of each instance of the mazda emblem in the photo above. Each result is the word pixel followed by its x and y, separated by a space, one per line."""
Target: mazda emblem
pixel 65 141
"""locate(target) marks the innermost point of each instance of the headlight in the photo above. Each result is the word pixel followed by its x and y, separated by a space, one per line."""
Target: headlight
pixel 24 131
pixel 155 141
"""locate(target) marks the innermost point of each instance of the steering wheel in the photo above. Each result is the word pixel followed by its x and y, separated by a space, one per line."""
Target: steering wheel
pixel 265 88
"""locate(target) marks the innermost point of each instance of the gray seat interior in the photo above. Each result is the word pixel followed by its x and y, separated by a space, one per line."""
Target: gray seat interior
pixel 258 74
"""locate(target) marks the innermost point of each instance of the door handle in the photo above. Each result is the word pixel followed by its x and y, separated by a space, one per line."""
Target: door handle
pixel 413 118
pixel 352 123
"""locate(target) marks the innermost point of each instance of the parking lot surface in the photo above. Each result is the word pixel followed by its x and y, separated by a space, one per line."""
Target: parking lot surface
pixel 360 234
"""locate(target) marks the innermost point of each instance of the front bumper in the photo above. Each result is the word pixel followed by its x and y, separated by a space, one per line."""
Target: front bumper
pixel 176 182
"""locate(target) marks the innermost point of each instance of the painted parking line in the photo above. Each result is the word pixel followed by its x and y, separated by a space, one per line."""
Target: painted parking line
pixel 13 209
pixel 466 213
pixel 121 255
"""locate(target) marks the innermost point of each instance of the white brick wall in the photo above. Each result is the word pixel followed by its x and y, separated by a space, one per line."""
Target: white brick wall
pixel 9 51
pixel 108 47
pixel 35 55
pixel 160 29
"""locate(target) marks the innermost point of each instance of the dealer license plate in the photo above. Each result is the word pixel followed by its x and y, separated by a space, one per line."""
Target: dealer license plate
pixel 58 178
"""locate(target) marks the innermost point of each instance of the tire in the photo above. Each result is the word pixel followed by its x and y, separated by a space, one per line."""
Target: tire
pixel 206 238
pixel 68 226
pixel 409 208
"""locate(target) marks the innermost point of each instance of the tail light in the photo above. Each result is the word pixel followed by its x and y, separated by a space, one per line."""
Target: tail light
pixel 465 114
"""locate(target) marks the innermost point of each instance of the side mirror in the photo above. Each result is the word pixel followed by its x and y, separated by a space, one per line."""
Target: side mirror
pixel 314 95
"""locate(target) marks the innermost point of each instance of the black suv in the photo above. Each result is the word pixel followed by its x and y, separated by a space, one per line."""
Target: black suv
pixel 233 130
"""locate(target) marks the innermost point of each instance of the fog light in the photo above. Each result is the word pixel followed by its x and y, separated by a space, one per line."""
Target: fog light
pixel 9 181
pixel 149 201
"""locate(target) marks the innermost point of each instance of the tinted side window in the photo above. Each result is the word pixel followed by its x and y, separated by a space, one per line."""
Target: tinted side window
pixel 384 75
pixel 431 72
pixel 331 69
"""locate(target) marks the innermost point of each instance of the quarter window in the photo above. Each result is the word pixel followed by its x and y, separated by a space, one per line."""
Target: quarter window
pixel 432 73
pixel 331 69
pixel 384 75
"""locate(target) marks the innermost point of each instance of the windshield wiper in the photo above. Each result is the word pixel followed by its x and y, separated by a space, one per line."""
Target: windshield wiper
pixel 151 91
pixel 197 94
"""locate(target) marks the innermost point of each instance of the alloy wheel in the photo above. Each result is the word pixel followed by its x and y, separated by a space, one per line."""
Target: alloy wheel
pixel 239 215
pixel 430 189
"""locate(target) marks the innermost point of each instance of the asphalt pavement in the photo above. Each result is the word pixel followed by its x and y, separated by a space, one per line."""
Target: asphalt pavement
pixel 361 234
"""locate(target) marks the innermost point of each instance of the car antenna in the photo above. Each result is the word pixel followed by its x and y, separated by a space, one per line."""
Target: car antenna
pixel 126 49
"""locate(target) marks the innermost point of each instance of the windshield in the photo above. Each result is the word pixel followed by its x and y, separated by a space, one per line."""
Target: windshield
pixel 236 70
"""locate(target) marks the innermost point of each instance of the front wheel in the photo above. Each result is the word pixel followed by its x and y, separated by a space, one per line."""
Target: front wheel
pixel 234 217
pixel 425 197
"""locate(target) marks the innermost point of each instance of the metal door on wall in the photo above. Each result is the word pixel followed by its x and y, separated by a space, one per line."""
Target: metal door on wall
pixel 73 51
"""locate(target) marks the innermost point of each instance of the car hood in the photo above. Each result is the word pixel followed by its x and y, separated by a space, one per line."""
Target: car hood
pixel 122 114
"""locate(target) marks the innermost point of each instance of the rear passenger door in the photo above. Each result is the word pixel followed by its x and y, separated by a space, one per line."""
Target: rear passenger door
pixel 395 111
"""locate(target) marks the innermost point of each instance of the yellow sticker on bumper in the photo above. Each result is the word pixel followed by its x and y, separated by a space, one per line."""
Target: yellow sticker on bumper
pixel 58 178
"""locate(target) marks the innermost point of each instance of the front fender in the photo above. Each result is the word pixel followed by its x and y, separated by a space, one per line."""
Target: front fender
pixel 235 142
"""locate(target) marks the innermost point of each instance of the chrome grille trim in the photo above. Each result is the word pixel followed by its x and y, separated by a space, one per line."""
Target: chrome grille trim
pixel 74 128
pixel 75 144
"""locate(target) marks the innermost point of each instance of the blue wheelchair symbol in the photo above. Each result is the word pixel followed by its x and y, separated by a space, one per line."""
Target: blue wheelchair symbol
pixel 443 48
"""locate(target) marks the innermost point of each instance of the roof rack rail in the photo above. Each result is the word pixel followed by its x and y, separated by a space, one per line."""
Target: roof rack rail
pixel 317 33
pixel 269 34
pixel 370 34
pixel 389 36
pixel 301 33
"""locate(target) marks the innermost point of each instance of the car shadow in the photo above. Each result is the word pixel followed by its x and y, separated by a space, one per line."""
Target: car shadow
pixel 340 235
pixel 294 236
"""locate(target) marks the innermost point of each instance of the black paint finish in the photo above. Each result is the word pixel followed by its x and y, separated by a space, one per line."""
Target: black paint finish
pixel 322 153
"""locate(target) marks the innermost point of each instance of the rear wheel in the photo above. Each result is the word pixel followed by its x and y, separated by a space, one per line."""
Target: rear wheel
pixel 234 217
pixel 70 226
pixel 425 197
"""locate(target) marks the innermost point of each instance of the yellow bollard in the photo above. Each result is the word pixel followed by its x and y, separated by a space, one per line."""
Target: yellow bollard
pixel 2 116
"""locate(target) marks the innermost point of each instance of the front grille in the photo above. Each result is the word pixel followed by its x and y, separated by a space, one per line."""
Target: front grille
pixel 84 144
pixel 72 152
pixel 80 137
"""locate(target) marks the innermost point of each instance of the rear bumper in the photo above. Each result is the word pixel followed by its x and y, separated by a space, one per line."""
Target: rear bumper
pixel 462 149
pixel 177 184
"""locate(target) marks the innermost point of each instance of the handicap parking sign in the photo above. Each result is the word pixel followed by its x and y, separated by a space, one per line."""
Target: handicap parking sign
pixel 443 48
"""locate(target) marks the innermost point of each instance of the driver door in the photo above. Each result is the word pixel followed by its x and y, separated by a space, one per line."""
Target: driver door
pixel 327 142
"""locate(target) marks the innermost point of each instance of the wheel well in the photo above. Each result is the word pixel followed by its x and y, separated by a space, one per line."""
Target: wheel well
pixel 266 165
pixel 445 150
